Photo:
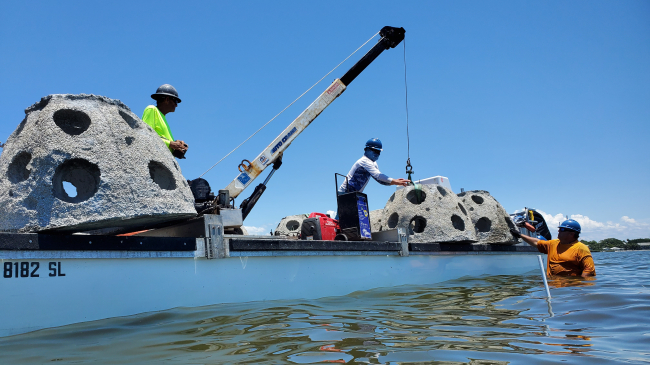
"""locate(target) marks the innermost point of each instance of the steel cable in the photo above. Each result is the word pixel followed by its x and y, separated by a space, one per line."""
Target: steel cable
pixel 287 107
pixel 406 91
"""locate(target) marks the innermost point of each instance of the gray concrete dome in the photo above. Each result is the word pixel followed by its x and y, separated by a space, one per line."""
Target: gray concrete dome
pixel 122 172
pixel 290 225
pixel 490 220
pixel 436 215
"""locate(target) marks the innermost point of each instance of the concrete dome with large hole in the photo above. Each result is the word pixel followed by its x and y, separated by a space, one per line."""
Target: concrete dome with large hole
pixel 433 214
pixel 82 162
pixel 290 226
pixel 490 220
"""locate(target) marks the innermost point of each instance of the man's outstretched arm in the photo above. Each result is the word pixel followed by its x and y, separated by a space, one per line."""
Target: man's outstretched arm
pixel 529 240
pixel 401 182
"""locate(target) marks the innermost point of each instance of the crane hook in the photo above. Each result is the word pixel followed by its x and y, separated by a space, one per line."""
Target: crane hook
pixel 409 169
pixel 416 187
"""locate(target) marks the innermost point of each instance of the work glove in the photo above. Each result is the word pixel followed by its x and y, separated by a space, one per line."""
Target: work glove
pixel 180 154
pixel 515 233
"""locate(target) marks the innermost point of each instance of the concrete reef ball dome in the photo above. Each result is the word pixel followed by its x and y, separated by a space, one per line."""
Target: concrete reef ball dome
pixel 290 225
pixel 436 214
pixel 81 162
pixel 491 221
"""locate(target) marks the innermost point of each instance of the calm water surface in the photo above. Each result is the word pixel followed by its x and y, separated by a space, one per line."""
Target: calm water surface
pixel 495 319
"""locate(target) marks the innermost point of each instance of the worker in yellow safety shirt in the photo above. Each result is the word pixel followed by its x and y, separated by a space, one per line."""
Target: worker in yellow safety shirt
pixel 167 99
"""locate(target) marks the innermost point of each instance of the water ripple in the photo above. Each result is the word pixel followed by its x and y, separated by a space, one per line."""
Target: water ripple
pixel 495 319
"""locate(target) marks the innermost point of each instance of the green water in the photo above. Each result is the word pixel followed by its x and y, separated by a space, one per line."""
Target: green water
pixel 486 320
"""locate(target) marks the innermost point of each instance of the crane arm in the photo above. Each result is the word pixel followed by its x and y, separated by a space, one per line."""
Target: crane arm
pixel 390 37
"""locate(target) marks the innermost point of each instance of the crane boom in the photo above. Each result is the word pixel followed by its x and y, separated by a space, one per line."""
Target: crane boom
pixel 390 37
pixel 282 142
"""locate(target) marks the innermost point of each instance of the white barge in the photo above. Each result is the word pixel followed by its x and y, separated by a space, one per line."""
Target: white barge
pixel 55 280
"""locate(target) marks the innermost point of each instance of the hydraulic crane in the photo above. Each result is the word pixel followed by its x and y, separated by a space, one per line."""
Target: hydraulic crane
pixel 249 170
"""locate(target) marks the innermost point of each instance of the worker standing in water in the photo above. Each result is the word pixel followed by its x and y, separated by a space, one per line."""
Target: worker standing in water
pixel 366 167
pixel 566 255
pixel 167 99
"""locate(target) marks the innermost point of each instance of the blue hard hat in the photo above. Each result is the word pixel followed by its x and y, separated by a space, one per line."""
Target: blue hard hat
pixel 374 143
pixel 571 224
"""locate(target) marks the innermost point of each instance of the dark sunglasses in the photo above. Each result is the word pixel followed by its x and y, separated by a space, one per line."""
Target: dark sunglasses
pixel 562 229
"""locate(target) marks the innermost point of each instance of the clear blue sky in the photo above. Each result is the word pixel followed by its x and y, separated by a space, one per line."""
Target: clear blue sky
pixel 543 104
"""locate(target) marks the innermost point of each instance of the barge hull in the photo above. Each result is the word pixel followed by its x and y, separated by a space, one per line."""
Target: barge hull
pixel 44 289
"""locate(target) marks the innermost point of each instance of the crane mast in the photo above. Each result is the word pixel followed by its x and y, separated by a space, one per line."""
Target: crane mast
pixel 272 154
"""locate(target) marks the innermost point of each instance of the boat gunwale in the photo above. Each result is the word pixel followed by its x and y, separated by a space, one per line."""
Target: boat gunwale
pixel 34 245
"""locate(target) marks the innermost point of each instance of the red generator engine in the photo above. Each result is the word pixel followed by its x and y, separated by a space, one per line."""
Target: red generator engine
pixel 319 226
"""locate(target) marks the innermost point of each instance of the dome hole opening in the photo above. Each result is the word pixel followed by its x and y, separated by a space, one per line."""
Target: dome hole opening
pixel 417 224
pixel 458 222
pixel 161 175
pixel 477 199
pixel 393 219
pixel 483 225
pixel 462 208
pixel 82 179
pixel 132 122
pixel 292 225
pixel 416 196
pixel 72 122
pixel 17 171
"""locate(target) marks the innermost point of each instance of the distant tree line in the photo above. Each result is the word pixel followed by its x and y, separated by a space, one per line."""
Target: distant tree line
pixel 639 240
pixel 595 246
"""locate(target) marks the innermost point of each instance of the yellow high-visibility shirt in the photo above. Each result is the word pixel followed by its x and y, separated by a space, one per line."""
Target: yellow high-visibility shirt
pixel 156 120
